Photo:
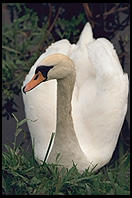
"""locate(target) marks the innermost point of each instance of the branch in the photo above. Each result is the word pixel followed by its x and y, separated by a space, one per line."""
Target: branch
pixel 56 17
pixel 50 13
pixel 88 13
pixel 41 48
pixel 87 10
pixel 113 10
pixel 10 49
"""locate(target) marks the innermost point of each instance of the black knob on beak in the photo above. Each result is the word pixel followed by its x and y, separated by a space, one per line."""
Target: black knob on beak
pixel 24 89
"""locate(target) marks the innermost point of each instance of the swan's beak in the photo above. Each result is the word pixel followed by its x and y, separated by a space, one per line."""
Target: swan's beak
pixel 36 80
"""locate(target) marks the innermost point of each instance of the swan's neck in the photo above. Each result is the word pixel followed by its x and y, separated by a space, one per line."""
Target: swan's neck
pixel 64 127
pixel 64 118
pixel 65 142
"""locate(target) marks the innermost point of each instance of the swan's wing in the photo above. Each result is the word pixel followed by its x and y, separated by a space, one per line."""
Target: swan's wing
pixel 40 110
pixel 110 80
pixel 40 103
pixel 102 102
pixel 104 59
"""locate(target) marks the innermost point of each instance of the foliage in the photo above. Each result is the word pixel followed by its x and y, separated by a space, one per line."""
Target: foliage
pixel 23 41
pixel 68 29
pixel 20 41
pixel 22 175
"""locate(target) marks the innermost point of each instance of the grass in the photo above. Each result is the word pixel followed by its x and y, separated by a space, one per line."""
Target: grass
pixel 22 175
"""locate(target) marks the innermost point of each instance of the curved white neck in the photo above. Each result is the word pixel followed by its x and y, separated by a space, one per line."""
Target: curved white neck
pixel 64 127
pixel 65 142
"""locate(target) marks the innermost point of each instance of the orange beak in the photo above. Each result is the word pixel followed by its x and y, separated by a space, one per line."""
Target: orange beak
pixel 36 80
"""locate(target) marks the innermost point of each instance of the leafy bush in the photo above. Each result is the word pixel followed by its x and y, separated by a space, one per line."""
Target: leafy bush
pixel 21 41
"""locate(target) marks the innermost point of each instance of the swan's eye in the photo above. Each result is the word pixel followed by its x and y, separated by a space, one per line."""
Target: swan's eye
pixel 36 77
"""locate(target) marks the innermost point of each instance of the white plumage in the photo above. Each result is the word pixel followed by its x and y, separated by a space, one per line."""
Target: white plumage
pixel 99 101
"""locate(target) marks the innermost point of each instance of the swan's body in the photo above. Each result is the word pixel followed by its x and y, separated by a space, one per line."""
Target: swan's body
pixel 99 103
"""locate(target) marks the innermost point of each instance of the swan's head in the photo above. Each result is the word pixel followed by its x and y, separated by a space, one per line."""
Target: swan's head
pixel 56 66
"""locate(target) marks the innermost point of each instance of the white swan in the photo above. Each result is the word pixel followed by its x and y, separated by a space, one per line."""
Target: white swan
pixel 98 106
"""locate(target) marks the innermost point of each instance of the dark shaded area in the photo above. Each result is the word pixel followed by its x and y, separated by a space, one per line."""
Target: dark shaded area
pixel 103 26
pixel 9 107
pixel 124 140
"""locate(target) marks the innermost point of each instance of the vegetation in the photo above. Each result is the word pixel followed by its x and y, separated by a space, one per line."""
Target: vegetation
pixel 23 41
pixel 22 175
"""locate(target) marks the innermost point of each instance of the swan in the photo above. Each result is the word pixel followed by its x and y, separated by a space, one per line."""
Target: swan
pixel 80 92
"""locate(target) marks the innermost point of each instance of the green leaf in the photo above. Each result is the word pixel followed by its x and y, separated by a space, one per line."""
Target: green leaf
pixel 18 131
pixel 120 190
pixel 15 117
pixel 51 139
pixel 4 185
pixel 21 122
pixel 88 189
pixel 35 181
pixel 10 49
